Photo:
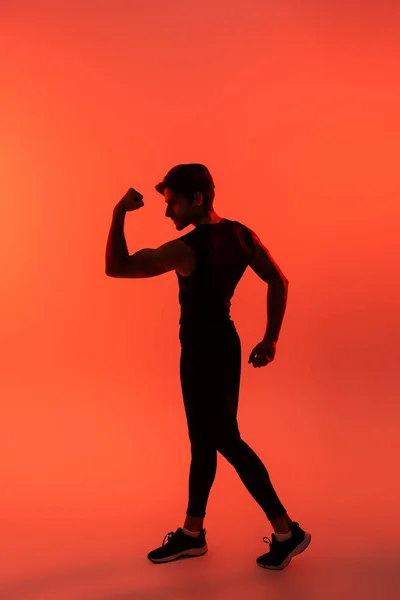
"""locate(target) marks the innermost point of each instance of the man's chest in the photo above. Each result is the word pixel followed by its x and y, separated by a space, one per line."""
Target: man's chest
pixel 187 261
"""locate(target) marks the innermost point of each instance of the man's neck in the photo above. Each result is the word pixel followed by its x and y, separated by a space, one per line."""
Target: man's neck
pixel 210 220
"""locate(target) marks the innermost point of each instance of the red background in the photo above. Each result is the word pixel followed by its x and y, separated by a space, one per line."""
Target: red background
pixel 295 110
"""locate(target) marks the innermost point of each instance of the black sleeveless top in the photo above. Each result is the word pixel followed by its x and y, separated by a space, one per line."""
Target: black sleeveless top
pixel 223 251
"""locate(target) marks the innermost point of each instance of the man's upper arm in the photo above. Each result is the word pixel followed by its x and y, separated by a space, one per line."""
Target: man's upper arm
pixel 263 264
pixel 151 262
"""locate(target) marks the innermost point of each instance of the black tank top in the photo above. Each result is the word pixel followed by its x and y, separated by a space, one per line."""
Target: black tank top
pixel 223 251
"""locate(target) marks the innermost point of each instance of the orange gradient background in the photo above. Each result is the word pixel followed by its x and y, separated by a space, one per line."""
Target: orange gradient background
pixel 295 110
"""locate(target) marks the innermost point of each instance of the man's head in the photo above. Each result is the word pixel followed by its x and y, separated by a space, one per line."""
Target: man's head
pixel 189 194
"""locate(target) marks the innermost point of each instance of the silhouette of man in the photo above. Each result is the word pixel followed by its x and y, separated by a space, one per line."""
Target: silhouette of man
pixel 209 262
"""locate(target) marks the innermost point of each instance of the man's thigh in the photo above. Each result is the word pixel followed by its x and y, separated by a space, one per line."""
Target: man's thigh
pixel 210 389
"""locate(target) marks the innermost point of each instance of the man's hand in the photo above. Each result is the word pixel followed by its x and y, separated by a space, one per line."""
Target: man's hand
pixel 132 200
pixel 263 353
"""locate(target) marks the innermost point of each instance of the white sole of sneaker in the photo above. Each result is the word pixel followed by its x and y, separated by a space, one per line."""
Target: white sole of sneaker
pixel 300 548
pixel 192 552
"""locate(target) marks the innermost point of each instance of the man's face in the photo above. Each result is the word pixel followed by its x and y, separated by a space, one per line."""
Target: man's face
pixel 178 209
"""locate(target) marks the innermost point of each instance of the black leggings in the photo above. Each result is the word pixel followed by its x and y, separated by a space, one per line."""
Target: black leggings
pixel 210 379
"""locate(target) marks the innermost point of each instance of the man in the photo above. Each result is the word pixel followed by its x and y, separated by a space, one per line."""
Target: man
pixel 209 261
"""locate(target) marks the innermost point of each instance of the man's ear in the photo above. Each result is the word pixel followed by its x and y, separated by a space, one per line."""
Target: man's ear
pixel 197 196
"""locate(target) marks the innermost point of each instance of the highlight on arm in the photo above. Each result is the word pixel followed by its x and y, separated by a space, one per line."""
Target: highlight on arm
pixel 263 264
pixel 150 262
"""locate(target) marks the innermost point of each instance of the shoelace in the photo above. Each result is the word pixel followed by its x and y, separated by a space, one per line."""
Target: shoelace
pixel 170 534
pixel 268 541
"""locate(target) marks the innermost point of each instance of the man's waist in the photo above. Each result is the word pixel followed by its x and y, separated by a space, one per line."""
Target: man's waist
pixel 203 310
pixel 206 325
pixel 196 319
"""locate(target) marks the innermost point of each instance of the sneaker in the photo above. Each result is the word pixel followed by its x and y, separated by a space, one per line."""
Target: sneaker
pixel 178 545
pixel 281 553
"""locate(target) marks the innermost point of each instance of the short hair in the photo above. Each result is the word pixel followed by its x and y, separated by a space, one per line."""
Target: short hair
pixel 187 179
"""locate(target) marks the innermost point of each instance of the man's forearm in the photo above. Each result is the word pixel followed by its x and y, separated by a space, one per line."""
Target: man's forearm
pixel 276 306
pixel 117 250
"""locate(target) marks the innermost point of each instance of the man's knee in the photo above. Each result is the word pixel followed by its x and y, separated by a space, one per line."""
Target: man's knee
pixel 201 445
pixel 229 445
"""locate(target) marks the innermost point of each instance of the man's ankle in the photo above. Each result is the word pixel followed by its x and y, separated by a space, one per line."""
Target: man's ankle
pixel 193 524
pixel 193 528
pixel 282 524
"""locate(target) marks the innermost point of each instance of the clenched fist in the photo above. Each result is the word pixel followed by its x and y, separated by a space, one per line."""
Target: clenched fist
pixel 132 200
pixel 263 353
